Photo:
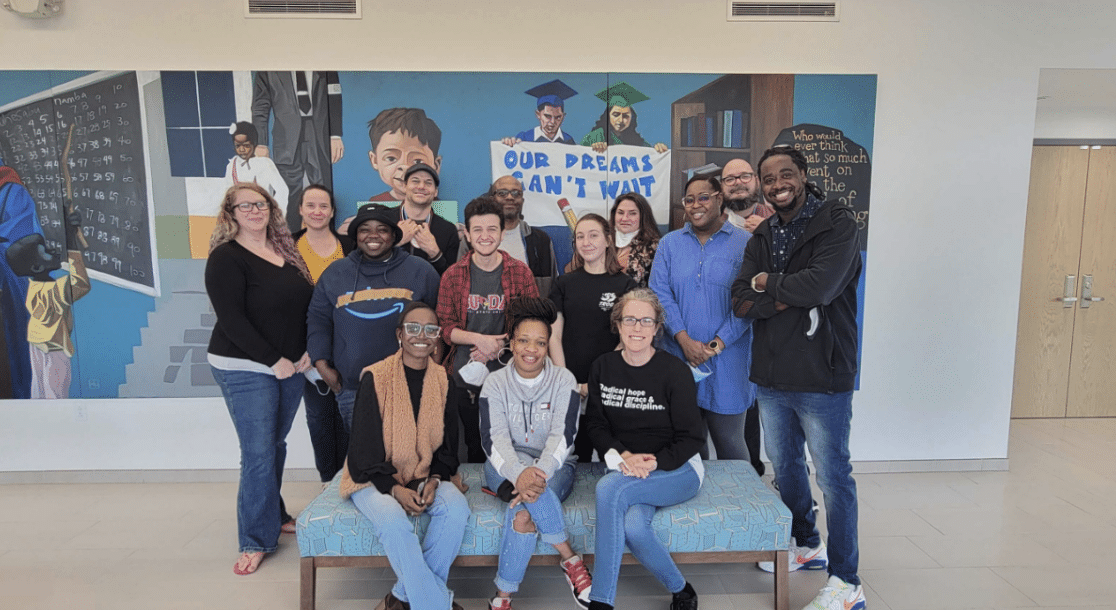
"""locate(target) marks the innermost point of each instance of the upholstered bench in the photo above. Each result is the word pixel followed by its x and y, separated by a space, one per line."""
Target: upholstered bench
pixel 734 518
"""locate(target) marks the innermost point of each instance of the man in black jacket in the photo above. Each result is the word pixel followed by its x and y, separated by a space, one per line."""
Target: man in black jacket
pixel 798 282
pixel 531 246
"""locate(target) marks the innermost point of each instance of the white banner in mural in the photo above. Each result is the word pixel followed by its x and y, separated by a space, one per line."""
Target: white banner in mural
pixel 555 176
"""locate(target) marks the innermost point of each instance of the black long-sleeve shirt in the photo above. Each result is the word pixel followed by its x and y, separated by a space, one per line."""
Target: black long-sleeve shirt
pixel 645 409
pixel 260 307
pixel 367 457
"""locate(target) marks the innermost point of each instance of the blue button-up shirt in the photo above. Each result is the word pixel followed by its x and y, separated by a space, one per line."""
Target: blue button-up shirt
pixel 693 282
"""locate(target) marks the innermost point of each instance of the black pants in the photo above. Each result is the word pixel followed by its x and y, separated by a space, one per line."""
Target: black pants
pixel 752 437
pixel 468 410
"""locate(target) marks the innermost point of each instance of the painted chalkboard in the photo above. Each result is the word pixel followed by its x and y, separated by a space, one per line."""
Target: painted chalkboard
pixel 82 144
pixel 839 166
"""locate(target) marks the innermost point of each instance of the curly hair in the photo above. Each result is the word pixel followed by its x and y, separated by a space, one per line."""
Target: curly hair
pixel 612 262
pixel 278 235
pixel 522 309
pixel 637 294
pixel 648 231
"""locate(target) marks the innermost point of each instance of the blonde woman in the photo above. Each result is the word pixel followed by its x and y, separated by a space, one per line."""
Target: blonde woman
pixel 260 290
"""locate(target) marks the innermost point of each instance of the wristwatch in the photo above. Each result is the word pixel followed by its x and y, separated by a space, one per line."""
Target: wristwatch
pixel 754 283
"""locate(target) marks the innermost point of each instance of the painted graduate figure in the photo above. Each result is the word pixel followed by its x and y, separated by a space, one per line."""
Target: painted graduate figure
pixel 529 416
pixel 643 416
pixel 402 453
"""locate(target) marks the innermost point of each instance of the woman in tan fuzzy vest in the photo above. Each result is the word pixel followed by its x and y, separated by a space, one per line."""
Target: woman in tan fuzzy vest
pixel 403 446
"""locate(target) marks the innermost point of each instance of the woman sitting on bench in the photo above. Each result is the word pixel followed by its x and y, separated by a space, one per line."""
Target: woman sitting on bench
pixel 643 416
pixel 529 413
pixel 402 448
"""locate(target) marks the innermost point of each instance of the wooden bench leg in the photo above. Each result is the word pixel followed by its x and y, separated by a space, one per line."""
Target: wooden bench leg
pixel 782 586
pixel 308 581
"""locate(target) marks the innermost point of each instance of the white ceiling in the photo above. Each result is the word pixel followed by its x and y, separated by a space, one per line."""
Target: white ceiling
pixel 1077 104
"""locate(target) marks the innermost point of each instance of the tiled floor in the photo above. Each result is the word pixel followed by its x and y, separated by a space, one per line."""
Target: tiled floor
pixel 1040 536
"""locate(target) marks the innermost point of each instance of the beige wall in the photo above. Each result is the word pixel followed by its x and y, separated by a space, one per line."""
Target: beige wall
pixel 954 122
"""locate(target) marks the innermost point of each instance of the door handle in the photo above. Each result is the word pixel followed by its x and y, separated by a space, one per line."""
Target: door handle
pixel 1067 299
pixel 1087 292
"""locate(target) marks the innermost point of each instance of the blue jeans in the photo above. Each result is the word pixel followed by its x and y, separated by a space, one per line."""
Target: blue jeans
pixel 262 409
pixel 822 422
pixel 727 434
pixel 328 435
pixel 345 403
pixel 625 507
pixel 421 571
pixel 516 548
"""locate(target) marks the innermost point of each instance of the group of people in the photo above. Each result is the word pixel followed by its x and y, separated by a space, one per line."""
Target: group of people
pixel 537 371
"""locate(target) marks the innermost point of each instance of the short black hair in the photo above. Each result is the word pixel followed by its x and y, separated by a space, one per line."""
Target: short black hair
pixel 244 128
pixel 413 305
pixel 481 206
pixel 799 161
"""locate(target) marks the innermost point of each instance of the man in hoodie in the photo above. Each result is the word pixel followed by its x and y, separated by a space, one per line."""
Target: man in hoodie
pixel 357 300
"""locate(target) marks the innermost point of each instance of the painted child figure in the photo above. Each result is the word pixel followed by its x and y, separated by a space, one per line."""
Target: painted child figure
pixel 50 301
pixel 247 167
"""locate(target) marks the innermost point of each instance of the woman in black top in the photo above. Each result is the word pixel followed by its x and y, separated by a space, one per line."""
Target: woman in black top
pixel 584 297
pixel 402 453
pixel 643 416
pixel 260 290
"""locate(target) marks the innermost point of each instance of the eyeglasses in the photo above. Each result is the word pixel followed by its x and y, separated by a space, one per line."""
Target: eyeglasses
pixel 644 322
pixel 248 206
pixel 412 329
pixel 703 199
pixel 506 193
pixel 738 178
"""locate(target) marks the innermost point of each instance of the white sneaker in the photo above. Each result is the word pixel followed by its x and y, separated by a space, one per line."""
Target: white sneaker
pixel 838 595
pixel 801 558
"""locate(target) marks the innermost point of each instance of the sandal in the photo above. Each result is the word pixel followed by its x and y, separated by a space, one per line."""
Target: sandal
pixel 248 563
pixel 289 527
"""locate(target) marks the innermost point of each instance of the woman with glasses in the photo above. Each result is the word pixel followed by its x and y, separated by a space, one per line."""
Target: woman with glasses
pixel 584 297
pixel 636 234
pixel 531 409
pixel 643 416
pixel 402 453
pixel 260 288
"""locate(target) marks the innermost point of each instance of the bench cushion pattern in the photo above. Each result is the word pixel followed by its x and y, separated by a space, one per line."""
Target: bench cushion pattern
pixel 734 511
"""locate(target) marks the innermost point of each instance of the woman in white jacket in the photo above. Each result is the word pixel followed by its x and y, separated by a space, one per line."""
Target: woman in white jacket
pixel 529 419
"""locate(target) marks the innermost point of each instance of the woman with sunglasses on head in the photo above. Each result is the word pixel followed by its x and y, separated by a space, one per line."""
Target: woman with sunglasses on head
pixel 260 289
pixel 402 453
pixel 529 417
pixel 643 416
pixel 584 297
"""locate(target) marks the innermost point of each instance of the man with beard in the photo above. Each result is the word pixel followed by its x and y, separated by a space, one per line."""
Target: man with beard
pixel 523 243
pixel 745 209
pixel 798 284
pixel 740 189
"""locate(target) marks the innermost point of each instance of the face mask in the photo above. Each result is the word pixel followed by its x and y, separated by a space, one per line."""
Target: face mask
pixel 699 373
pixel 474 373
pixel 314 377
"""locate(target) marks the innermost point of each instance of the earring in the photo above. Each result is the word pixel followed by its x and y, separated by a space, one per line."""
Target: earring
pixel 400 341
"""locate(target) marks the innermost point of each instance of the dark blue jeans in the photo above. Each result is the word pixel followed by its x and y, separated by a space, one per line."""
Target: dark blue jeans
pixel 328 435
pixel 262 409
pixel 822 422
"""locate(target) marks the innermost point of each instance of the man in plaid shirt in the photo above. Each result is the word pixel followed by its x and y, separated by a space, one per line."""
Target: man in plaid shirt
pixel 471 302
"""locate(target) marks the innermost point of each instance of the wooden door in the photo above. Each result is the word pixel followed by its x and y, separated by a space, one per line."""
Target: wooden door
pixel 1064 359
pixel 1092 378
pixel 1051 248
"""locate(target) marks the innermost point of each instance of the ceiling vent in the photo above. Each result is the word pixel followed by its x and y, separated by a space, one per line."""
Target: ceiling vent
pixel 304 9
pixel 749 10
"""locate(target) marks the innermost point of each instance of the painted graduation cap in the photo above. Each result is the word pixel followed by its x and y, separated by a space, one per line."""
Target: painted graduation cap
pixel 553 93
pixel 622 95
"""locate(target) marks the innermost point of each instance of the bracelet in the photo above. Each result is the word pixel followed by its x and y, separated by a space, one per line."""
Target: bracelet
pixel 754 283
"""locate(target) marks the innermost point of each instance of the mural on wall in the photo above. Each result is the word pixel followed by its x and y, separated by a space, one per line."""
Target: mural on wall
pixel 110 181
